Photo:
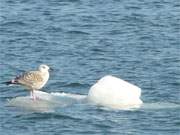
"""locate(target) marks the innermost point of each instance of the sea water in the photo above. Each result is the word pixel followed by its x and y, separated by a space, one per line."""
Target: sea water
pixel 84 40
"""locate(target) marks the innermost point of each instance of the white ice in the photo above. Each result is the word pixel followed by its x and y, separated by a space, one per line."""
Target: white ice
pixel 46 102
pixel 109 91
pixel 113 92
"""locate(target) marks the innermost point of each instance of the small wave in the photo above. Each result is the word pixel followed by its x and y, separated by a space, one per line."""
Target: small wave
pixel 160 105
pixel 75 84
pixel 42 116
pixel 54 29
pixel 78 32
pixel 116 32
pixel 15 23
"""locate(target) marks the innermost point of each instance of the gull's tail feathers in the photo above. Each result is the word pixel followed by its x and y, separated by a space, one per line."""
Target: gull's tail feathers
pixel 10 82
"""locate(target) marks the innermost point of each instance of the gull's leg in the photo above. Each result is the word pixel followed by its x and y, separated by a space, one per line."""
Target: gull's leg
pixel 34 97
pixel 31 94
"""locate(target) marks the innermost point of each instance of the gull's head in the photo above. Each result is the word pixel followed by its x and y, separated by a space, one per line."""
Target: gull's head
pixel 43 68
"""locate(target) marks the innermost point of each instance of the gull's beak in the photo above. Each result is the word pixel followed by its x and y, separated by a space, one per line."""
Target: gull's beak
pixel 51 69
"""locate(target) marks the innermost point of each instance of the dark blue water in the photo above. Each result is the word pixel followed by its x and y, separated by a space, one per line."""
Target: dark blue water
pixel 83 40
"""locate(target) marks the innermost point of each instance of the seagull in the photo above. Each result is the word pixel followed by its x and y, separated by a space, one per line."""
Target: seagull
pixel 32 80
